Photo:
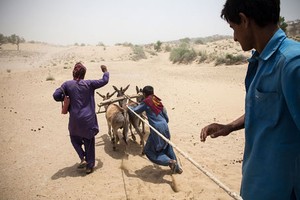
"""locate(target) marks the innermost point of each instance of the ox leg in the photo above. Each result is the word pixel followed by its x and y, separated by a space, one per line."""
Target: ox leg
pixel 141 134
pixel 109 132
pixel 125 134
pixel 125 138
pixel 132 135
pixel 115 139
pixel 143 127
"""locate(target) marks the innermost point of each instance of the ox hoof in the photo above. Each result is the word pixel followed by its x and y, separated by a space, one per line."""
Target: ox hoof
pixel 125 140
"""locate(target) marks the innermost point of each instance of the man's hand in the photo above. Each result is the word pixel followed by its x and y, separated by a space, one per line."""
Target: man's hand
pixel 103 68
pixel 214 130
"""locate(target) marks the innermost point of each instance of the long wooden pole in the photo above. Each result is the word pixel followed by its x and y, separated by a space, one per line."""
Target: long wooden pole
pixel 109 101
pixel 214 179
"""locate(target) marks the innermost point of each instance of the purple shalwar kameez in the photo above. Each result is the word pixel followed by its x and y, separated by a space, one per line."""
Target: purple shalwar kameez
pixel 83 124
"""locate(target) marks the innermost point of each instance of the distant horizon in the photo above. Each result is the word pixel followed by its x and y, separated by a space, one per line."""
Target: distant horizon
pixel 87 44
pixel 116 22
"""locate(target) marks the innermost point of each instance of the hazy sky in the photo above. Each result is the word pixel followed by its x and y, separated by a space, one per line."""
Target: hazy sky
pixel 118 21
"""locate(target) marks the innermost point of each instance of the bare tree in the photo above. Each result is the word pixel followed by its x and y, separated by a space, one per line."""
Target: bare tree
pixel 14 39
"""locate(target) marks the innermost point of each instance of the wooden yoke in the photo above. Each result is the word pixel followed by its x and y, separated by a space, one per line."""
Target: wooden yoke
pixel 117 99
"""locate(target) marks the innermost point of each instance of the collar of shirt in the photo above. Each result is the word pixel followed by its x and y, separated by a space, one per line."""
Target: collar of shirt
pixel 271 46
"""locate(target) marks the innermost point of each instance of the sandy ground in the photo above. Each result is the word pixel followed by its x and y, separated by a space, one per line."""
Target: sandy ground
pixel 38 161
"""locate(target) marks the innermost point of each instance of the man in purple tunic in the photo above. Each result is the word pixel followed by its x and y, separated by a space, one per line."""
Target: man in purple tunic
pixel 83 124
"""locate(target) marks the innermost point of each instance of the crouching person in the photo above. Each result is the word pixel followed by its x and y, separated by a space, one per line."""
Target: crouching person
pixel 156 149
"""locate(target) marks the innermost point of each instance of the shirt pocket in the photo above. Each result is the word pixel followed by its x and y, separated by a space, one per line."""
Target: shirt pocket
pixel 267 106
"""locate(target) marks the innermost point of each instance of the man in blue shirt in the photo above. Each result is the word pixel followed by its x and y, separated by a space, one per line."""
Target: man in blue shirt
pixel 271 164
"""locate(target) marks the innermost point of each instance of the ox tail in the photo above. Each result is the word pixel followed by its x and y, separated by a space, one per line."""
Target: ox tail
pixel 125 127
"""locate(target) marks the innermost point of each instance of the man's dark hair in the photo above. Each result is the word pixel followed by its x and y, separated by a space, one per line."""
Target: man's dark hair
pixel 148 90
pixel 79 71
pixel 263 12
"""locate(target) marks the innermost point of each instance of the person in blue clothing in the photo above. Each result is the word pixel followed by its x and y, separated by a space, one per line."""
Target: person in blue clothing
pixel 156 149
pixel 83 124
pixel 271 163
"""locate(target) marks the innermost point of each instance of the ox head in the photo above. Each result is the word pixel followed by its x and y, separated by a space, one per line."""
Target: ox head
pixel 121 92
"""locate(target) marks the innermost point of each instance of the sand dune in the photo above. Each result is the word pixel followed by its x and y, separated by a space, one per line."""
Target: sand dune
pixel 38 161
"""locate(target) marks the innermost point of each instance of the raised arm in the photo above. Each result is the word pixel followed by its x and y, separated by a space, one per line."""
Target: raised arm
pixel 103 81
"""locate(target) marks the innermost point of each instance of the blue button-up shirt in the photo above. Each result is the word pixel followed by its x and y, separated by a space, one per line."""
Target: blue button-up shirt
pixel 271 166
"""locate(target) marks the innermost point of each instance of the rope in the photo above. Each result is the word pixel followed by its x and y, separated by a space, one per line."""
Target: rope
pixel 214 179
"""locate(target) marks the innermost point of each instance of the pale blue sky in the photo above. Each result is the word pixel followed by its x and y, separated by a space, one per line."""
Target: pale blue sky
pixel 118 21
